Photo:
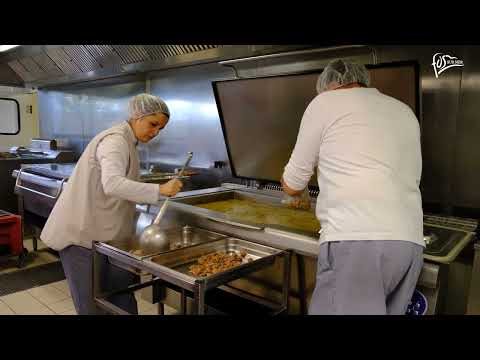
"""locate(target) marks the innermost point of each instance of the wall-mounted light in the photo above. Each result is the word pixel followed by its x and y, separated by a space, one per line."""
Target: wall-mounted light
pixel 7 47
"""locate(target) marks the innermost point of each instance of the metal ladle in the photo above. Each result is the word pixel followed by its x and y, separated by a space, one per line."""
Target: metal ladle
pixel 153 235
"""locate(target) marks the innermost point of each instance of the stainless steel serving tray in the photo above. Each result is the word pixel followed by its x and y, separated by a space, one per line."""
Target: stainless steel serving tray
pixel 178 262
pixel 180 237
pixel 190 203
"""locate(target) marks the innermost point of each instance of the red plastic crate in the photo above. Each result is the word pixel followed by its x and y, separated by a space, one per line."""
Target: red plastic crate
pixel 11 233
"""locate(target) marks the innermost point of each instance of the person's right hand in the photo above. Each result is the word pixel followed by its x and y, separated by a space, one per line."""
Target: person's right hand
pixel 171 187
pixel 301 201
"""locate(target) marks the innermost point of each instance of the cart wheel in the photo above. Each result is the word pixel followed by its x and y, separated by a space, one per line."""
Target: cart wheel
pixel 22 257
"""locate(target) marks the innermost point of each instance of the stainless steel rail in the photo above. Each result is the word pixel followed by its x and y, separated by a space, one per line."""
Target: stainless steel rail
pixel 17 185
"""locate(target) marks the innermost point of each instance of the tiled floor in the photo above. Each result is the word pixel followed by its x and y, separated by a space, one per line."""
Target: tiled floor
pixel 51 299
pixel 54 298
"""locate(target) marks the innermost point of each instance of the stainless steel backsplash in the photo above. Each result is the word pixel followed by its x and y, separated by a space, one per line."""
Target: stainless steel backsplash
pixel 448 106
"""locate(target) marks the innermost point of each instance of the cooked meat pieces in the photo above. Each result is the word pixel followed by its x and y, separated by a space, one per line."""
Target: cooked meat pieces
pixel 215 262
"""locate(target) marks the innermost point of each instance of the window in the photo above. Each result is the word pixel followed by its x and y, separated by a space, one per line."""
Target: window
pixel 9 117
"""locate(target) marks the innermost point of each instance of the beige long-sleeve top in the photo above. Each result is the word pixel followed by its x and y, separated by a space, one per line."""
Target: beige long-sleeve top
pixel 98 201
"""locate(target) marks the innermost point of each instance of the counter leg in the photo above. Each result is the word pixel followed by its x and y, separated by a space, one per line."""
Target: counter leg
pixel 183 302
pixel 34 238
pixel 199 294
pixel 286 279
pixel 21 212
pixel 161 308
pixel 301 284
pixel 157 289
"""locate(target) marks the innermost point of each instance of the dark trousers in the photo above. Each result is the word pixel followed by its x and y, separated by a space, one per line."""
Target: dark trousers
pixel 77 266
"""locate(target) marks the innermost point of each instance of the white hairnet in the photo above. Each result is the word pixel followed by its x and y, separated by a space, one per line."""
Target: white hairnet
pixel 342 73
pixel 146 104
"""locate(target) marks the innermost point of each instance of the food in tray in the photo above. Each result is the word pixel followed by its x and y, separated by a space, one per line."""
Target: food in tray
pixel 260 213
pixel 300 204
pixel 218 261
pixel 138 252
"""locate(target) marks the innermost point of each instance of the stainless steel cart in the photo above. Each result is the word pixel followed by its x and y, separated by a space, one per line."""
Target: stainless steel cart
pixel 170 269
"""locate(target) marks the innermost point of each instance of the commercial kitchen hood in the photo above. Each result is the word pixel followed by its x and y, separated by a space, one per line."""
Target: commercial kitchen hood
pixel 38 66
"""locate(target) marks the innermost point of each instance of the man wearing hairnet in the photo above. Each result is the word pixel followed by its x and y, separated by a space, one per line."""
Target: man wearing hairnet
pixel 98 203
pixel 367 149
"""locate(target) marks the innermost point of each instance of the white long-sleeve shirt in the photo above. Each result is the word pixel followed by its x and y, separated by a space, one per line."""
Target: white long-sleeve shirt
pixel 367 149
pixel 113 157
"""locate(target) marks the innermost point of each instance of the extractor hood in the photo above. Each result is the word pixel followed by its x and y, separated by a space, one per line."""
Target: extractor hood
pixel 49 65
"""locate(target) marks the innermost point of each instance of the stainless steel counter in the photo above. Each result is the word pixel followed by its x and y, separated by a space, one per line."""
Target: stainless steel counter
pixel 446 238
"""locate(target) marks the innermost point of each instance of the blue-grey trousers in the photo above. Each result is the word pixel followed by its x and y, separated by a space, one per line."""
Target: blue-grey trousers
pixel 77 266
pixel 366 277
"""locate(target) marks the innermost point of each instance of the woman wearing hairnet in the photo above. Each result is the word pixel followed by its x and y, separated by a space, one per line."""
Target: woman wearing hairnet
pixel 367 149
pixel 98 202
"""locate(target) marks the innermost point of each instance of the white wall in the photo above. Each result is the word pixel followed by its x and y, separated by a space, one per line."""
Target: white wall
pixel 28 122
